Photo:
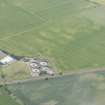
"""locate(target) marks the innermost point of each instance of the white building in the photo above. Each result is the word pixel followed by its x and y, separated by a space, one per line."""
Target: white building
pixel 5 58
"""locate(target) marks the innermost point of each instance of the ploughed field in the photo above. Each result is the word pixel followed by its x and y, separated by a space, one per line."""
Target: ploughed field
pixel 71 33
pixel 83 89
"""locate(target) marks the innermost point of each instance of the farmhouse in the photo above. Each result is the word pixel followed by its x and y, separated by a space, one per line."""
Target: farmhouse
pixel 5 58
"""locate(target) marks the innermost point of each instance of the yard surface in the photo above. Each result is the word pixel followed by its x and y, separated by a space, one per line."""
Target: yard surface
pixel 71 33
pixel 83 89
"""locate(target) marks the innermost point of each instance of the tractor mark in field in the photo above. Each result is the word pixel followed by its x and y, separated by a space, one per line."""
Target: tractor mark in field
pixel 20 33
pixel 28 12
pixel 34 28
pixel 31 13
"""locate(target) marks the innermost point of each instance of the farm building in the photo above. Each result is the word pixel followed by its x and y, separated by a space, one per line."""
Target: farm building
pixel 5 58
pixel 40 66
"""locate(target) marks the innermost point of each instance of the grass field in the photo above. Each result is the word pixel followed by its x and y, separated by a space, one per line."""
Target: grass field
pixel 86 89
pixel 5 99
pixel 69 32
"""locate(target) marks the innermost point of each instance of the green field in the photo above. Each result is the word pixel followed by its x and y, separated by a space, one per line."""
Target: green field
pixel 6 99
pixel 86 89
pixel 71 33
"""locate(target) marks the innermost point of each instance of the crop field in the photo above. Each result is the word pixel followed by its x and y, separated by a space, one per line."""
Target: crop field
pixel 71 33
pixel 83 89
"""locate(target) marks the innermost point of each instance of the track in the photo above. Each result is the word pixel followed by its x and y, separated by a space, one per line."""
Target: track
pixel 81 72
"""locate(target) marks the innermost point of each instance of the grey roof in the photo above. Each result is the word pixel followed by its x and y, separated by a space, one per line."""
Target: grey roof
pixel 2 54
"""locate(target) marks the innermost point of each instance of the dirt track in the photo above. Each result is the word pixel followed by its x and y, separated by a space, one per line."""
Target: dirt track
pixel 80 72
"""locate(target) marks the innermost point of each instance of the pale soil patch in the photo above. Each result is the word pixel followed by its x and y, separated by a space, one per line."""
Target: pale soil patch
pixel 99 1
pixel 95 65
pixel 89 76
pixel 89 6
pixel 70 37
pixel 101 86
pixel 93 76
pixel 52 102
